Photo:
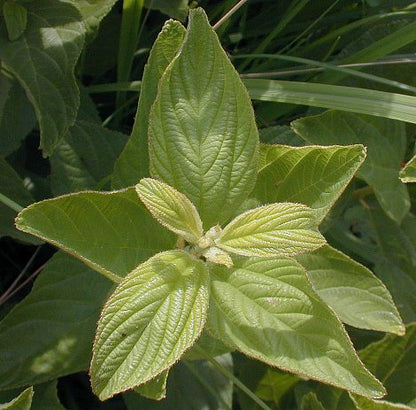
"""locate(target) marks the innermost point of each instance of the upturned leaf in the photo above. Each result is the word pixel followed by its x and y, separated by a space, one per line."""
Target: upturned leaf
pixel 171 208
pixel 154 389
pixel 267 309
pixel 111 232
pixel 314 175
pixel 203 135
pixel 283 229
pixel 151 319
pixel 358 297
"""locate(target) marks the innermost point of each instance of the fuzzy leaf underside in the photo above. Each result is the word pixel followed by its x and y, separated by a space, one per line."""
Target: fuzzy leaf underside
pixel 151 319
pixel 112 232
pixel 203 135
pixel 267 309
pixel 283 229
pixel 133 162
pixel 358 297
pixel 314 175
pixel 171 208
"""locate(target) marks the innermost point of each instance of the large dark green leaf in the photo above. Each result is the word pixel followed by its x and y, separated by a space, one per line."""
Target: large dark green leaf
pixel 43 60
pixel 111 232
pixel 267 309
pixel 203 136
pixel 49 334
pixel 393 361
pixel 133 162
pixel 386 144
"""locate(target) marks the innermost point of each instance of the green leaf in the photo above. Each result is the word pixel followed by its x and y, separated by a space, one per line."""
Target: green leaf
pixel 177 9
pixel 408 173
pixel 15 17
pixel 133 162
pixel 85 156
pixel 358 100
pixel 191 385
pixel 17 120
pixel 266 309
pixel 283 229
pixel 395 264
pixel 111 232
pixel 43 60
pixel 13 196
pixel 275 384
pixel 311 402
pixel 154 389
pixel 364 403
pixel 358 297
pixel 386 143
pixel 93 12
pixel 21 402
pixel 46 397
pixel 151 319
pixel 203 136
pixel 171 208
pixel 314 176
pixel 393 361
pixel 59 315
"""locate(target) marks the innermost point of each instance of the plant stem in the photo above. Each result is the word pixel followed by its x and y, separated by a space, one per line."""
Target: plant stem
pixel 229 14
pixel 234 379
pixel 10 203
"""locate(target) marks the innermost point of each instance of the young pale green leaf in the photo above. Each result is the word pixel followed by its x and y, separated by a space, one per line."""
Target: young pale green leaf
pixel 154 389
pixel 111 232
pixel 267 309
pixel 393 360
pixel 43 59
pixel 217 255
pixel 15 17
pixel 386 143
pixel 133 162
pixel 358 297
pixel 312 175
pixel 408 173
pixel 22 402
pixel 283 229
pixel 203 135
pixel 171 208
pixel 60 315
pixel 151 319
